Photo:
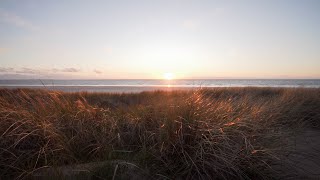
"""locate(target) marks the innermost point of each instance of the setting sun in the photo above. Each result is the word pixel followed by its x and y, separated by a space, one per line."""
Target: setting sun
pixel 175 89
pixel 168 76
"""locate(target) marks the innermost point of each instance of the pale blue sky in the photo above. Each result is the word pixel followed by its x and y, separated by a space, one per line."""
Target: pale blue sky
pixel 145 39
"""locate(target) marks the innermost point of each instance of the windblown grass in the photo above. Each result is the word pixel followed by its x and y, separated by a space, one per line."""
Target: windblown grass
pixel 221 133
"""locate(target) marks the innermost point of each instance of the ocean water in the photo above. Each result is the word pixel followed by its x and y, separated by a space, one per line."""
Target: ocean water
pixel 125 85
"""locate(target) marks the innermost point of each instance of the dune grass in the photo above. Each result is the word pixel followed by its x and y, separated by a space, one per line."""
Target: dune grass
pixel 221 133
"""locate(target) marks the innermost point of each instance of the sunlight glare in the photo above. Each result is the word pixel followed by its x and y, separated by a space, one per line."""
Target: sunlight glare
pixel 168 76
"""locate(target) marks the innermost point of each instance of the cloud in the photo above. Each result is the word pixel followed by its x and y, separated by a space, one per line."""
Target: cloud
pixel 70 70
pixel 55 70
pixel 25 72
pixel 5 70
pixel 66 70
pixel 97 71
pixel 16 20
pixel 28 71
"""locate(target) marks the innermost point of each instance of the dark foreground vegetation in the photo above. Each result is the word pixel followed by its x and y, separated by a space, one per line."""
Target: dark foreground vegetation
pixel 221 133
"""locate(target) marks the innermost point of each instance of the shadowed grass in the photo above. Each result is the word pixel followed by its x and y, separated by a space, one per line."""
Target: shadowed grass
pixel 220 133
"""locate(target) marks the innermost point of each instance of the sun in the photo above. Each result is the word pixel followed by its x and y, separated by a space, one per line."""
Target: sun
pixel 168 76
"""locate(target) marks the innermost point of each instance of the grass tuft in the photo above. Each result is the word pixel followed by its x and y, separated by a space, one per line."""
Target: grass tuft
pixel 220 133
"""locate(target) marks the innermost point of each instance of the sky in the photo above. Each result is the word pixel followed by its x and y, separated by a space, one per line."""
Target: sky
pixel 124 39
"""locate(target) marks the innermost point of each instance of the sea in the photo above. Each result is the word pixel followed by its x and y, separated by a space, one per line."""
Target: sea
pixel 138 85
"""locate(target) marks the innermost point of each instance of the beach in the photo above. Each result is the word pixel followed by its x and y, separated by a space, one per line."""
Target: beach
pixel 159 90
pixel 140 85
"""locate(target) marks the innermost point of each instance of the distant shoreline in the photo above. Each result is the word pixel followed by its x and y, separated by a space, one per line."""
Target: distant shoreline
pixel 137 85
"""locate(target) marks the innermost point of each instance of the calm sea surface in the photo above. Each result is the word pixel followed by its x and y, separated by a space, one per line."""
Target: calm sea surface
pixel 141 85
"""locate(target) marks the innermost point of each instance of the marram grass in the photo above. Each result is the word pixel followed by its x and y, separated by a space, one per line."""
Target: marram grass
pixel 220 133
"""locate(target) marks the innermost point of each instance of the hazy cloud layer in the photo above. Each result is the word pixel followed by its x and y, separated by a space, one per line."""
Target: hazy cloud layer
pixel 5 70
pixel 70 70
pixel 28 71
pixel 97 71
